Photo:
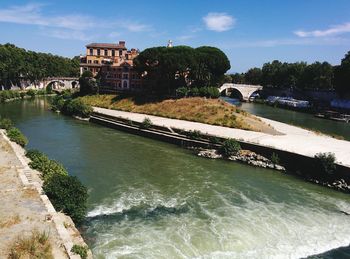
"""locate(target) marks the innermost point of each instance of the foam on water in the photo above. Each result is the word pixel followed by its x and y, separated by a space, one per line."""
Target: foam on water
pixel 248 229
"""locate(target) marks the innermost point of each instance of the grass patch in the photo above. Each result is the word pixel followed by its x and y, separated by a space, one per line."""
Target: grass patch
pixel 36 245
pixel 209 111
pixel 10 222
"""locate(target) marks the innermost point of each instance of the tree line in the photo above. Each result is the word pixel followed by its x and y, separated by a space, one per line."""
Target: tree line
pixel 18 64
pixel 299 75
pixel 166 69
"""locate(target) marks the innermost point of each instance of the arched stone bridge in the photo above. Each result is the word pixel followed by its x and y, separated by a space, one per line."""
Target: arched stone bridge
pixel 61 83
pixel 57 83
pixel 245 91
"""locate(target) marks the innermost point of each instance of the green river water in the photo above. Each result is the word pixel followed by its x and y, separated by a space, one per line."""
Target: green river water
pixel 150 199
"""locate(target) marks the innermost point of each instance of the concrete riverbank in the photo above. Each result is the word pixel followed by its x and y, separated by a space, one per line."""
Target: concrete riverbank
pixel 25 209
pixel 292 139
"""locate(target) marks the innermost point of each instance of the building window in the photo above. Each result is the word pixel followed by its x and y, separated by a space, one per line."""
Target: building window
pixel 95 61
pixel 106 52
pixel 120 53
pixel 91 52
pixel 127 56
pixel 125 84
pixel 113 52
pixel 98 52
pixel 89 61
pixel 125 76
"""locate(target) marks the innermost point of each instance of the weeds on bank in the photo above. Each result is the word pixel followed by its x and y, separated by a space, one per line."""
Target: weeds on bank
pixel 10 222
pixel 36 245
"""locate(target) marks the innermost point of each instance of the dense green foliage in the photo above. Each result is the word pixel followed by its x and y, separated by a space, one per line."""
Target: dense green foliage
pixel 17 136
pixel 80 250
pixel 229 148
pixel 88 84
pixel 146 123
pixel 167 69
pixel 46 166
pixel 68 194
pixel 300 75
pixel 210 92
pixel 10 94
pixel 5 123
pixel 19 64
pixel 342 76
pixel 65 192
pixel 69 106
pixel 325 164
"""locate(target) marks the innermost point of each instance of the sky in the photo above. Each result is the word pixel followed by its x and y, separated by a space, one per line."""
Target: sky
pixel 250 32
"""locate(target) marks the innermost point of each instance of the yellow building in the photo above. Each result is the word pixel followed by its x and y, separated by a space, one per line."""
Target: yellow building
pixel 115 64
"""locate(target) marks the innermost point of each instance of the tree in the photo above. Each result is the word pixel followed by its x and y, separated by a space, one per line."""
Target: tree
pixel 87 83
pixel 253 76
pixel 342 76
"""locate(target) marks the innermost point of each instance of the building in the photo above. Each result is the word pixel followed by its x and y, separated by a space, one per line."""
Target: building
pixel 114 63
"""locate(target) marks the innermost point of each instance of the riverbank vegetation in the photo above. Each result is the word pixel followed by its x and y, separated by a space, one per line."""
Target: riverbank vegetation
pixel 66 192
pixel 13 133
pixel 8 95
pixel 210 111
pixel 299 75
pixel 36 245
pixel 17 64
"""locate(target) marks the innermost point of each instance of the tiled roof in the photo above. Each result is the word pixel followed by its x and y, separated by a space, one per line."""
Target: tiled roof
pixel 106 45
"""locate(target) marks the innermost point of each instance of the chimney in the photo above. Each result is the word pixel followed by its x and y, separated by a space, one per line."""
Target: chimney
pixel 122 43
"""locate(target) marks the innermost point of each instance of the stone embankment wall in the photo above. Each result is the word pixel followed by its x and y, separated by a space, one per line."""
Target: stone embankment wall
pixel 67 233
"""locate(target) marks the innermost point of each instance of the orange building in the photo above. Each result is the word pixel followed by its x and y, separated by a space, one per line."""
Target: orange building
pixel 114 62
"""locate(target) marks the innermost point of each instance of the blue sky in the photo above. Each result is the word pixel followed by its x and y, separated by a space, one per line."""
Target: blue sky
pixel 250 32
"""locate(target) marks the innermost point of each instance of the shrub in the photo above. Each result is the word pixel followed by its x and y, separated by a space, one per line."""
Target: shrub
pixel 325 163
pixel 77 107
pixel 22 94
pixel 214 140
pixel 146 123
pixel 194 92
pixel 42 163
pixel 213 92
pixel 17 136
pixel 5 123
pixel 275 158
pixel 80 250
pixel 31 93
pixel 193 134
pixel 182 92
pixel 230 147
pixel 57 103
pixel 68 194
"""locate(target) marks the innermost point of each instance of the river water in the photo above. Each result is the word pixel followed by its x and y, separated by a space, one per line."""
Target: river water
pixel 301 119
pixel 150 199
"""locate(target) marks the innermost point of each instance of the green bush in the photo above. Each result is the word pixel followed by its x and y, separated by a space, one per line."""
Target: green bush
pixel 57 103
pixel 194 92
pixel 17 136
pixel 77 107
pixel 146 123
pixel 22 94
pixel 5 123
pixel 31 93
pixel 67 194
pixel 193 134
pixel 230 147
pixel 9 94
pixel 275 158
pixel 214 140
pixel 210 92
pixel 182 92
pixel 80 250
pixel 46 166
pixel 325 163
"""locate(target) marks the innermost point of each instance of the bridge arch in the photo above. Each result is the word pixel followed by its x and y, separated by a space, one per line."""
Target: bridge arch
pixel 243 91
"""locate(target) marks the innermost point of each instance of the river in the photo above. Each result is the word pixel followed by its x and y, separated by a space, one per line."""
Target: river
pixel 150 199
pixel 305 120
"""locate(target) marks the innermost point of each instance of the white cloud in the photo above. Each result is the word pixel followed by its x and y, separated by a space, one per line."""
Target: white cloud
pixel 219 22
pixel 68 34
pixel 333 30
pixel 287 42
pixel 135 26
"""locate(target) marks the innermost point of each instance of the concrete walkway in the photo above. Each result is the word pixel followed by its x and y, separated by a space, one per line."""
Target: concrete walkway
pixel 294 139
